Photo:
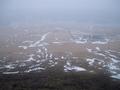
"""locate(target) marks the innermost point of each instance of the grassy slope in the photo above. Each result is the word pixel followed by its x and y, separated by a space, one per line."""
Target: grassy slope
pixel 58 80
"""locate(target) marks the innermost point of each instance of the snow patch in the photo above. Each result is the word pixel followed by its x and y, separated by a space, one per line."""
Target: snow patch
pixel 69 67
pixel 75 57
pixel 37 43
pixel 90 61
pixel 57 42
pixel 116 76
pixel 114 60
pixel 11 72
pixel 100 54
pixel 27 42
pixel 75 68
pixel 30 58
pixel 22 65
pixel 99 42
pixel 34 69
pixel 97 48
pixel 39 51
pixel 10 66
pixel 81 42
pixel 112 56
pixel 89 50
pixel 44 36
pixel 24 47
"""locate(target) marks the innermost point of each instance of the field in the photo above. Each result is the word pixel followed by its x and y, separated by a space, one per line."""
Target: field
pixel 60 57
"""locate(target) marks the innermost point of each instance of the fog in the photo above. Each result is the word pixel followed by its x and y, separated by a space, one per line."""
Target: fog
pixel 59 45
pixel 104 12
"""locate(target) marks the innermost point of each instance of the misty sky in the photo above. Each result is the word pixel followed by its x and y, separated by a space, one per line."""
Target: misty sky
pixel 98 11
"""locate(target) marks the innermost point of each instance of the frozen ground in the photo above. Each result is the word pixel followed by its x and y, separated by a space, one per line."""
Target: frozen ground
pixel 26 51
